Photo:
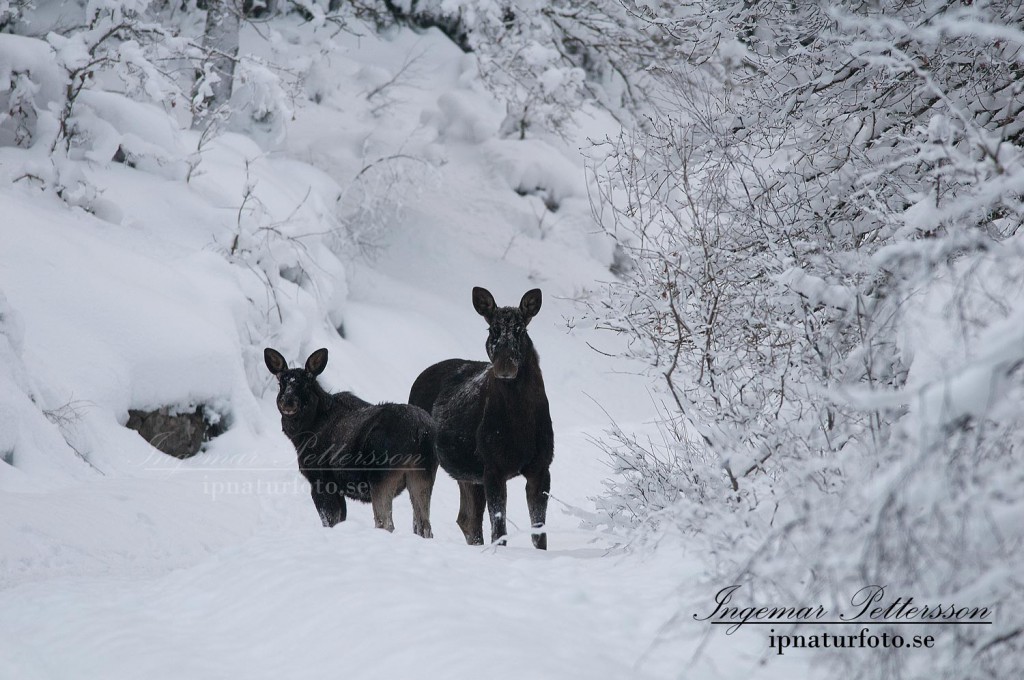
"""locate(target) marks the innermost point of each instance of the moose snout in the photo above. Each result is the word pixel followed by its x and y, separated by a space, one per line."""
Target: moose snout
pixel 288 407
pixel 506 369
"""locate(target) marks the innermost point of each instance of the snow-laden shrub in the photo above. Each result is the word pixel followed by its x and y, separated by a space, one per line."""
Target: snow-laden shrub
pixel 375 200
pixel 825 272
pixel 542 59
pixel 545 59
pixel 261 105
pixel 118 49
pixel 71 98
pixel 11 12
pixel 30 82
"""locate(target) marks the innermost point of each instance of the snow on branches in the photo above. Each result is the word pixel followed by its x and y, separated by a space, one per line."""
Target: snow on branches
pixel 825 270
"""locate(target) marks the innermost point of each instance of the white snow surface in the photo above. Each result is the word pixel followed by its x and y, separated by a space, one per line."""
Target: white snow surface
pixel 119 562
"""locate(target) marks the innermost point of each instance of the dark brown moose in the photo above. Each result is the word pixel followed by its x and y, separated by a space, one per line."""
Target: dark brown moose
pixel 349 448
pixel 493 421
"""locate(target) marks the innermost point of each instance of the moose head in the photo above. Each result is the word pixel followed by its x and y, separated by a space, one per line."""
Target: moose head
pixel 298 389
pixel 507 340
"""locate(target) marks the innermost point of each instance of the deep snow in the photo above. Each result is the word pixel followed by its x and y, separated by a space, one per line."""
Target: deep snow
pixel 117 562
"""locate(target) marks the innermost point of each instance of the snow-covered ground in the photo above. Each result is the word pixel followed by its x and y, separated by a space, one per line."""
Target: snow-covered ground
pixel 119 562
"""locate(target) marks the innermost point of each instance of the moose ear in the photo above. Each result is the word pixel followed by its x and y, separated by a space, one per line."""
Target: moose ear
pixel 275 362
pixel 483 302
pixel 317 361
pixel 530 304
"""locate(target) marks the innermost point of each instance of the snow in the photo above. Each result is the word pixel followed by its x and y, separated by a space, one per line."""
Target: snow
pixel 27 55
pixel 142 130
pixel 118 562
pixel 373 617
pixel 532 165
pixel 461 117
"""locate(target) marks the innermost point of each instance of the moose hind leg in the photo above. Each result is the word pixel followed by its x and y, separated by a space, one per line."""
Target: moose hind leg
pixel 496 492
pixel 421 487
pixel 537 486
pixel 471 512
pixel 382 496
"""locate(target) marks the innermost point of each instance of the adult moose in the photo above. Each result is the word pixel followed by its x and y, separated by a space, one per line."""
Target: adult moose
pixel 492 420
pixel 348 447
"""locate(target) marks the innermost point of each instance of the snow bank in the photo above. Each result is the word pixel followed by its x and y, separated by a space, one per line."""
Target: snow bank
pixel 534 166
pixel 30 444
pixel 140 134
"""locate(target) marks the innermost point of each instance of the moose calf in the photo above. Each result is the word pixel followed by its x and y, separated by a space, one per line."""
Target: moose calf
pixel 348 447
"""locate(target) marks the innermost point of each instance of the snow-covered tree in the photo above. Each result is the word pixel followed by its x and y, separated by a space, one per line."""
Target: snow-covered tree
pixel 543 59
pixel 220 43
pixel 819 175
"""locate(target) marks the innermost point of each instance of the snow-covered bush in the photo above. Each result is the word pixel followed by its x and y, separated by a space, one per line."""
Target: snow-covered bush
pixel 818 178
pixel 29 83
pixel 261 102
pixel 11 12
pixel 545 59
pixel 77 96
pixel 118 49
pixel 374 201
pixel 542 59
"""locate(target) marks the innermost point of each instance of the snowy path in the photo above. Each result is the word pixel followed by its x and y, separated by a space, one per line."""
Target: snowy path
pixel 195 570
pixel 298 603
pixel 161 578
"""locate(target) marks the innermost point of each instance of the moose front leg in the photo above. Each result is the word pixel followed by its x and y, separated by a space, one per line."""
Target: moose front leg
pixel 496 493
pixel 329 500
pixel 538 484
pixel 538 476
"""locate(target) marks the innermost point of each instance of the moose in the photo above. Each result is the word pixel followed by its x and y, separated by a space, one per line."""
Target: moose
pixel 349 448
pixel 493 421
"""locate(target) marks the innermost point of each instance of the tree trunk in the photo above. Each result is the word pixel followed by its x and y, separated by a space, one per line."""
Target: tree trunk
pixel 220 42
